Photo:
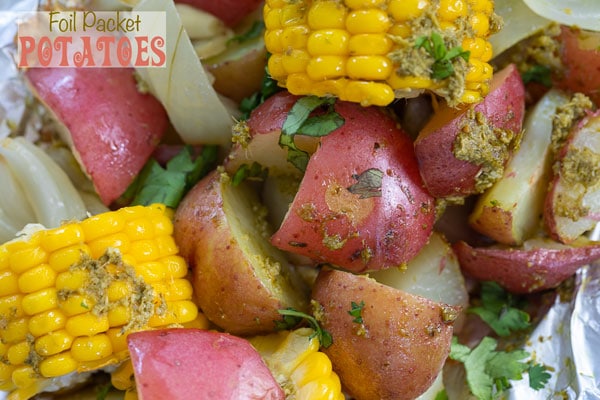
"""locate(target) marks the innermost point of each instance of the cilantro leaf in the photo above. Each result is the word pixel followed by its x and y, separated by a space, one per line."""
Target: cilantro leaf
pixel 538 73
pixel 356 311
pixel 168 185
pixel 443 57
pixel 538 376
pixel 245 171
pixel 292 318
pixel 368 183
pixel 498 310
pixel 300 122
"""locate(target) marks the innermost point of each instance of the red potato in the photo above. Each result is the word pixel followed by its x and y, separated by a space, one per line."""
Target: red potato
pixel 400 346
pixel 112 127
pixel 447 173
pixel 572 205
pixel 361 204
pixel 537 265
pixel 232 12
pixel 580 55
pixel 240 279
pixel 199 364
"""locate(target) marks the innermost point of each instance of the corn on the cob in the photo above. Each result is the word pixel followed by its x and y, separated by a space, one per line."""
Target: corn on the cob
pixel 372 51
pixel 70 295
pixel 300 368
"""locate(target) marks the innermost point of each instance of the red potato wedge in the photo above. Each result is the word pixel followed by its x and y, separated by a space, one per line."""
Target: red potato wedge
pixel 198 364
pixel 232 12
pixel 580 55
pixel 537 265
pixel 111 127
pixel 400 346
pixel 572 205
pixel 510 211
pixel 361 204
pixel 240 279
pixel 449 171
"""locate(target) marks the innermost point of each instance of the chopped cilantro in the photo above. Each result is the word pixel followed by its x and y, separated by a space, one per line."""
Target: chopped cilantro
pixel 368 183
pixel 299 122
pixel 442 57
pixel 538 376
pixel 356 311
pixel 253 171
pixel 292 318
pixel 538 73
pixel 499 310
pixel 267 89
pixel 156 184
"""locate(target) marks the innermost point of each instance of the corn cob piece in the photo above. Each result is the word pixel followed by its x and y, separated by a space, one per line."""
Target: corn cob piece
pixel 70 295
pixel 301 369
pixel 372 51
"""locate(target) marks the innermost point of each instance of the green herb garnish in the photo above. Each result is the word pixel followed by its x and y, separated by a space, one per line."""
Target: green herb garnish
pixel 538 73
pixel 300 122
pixel 292 318
pixel 255 31
pixel 268 88
pixel 356 311
pixel 442 57
pixel 254 171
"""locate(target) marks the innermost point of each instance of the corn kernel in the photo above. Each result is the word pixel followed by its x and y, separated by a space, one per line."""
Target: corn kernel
pixel 42 300
pixel 332 42
pixel 117 240
pixel 118 316
pixel 53 343
pixel 273 41
pixel 8 283
pixel 153 271
pixel 136 213
pixel 15 331
pixel 175 265
pixel 58 365
pixel 368 21
pixel 87 324
pixel 401 29
pixel 166 246
pixel 327 15
pixel 118 340
pixel 123 378
pixel 406 10
pixel 449 10
pixel 369 67
pixel 24 376
pixel 26 258
pixel 46 322
pixel 144 250
pixel 177 312
pixel 139 229
pixel 61 260
pixel 4 256
pixel 369 93
pixel 295 61
pixel 163 225
pixel 326 67
pixel 315 365
pixel 481 24
pixel 36 278
pixel 272 18
pixel 369 44
pixel 64 236
pixel 275 66
pixel 11 306
pixel 6 372
pixel 357 4
pixel 177 289
pixel 71 280
pixel 483 6
pixel 91 348
pixel 322 388
pixel 294 37
pixel 74 304
pixel 101 225
pixel 292 14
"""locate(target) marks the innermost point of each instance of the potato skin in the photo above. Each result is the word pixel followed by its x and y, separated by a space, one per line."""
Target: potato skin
pixel 226 280
pixel 404 343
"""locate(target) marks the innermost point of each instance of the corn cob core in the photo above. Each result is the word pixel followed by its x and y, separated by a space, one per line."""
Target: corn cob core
pixel 69 296
pixel 367 51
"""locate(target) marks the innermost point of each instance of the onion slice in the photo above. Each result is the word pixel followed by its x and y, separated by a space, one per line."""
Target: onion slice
pixel 584 14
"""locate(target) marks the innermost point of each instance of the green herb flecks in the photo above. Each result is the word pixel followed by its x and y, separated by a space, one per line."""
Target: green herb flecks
pixel 500 310
pixel 168 185
pixel 254 32
pixel 368 183
pixel 300 122
pixel 255 171
pixel 538 73
pixel 293 318
pixel 356 312
pixel 442 66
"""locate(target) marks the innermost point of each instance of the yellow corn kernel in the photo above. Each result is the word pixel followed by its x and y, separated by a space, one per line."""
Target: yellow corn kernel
pixel 480 23
pixel 312 367
pixel 166 246
pixel 272 18
pixel 71 280
pixel 484 6
pixel 176 289
pixel 4 257
pixel 8 283
pixel 101 225
pixel 153 271
pixel 369 93
pixel 200 322
pixel 58 365
pixel 415 82
pixel 273 41
pixel 11 306
pixel 275 66
pixel 144 250
pixel 118 340
pixel 6 372
pixel 479 71
pixel 53 343
pixel 63 236
pixel 37 302
pixel 37 278
pixel 162 225
pixel 18 353
pixel 449 10
pixel 123 378
pixel 326 67
pixel 369 44
pixel 369 68
pixel 75 304
pixel 175 266
pixel 177 312
pixel 26 258
pixel 405 10
pixel 357 4
pixel 118 290
pixel 292 14
pixel 327 15
pixel 368 21
pixel 118 316
pixel 322 388
pixel 294 37
pixel 116 241
pixel 15 331
pixel 325 42
pixel 46 322
pixel 62 259
pixel 295 61
pixel 139 229
pixel 138 213
pixel 91 348
pixel 24 376
pixel 401 29
pixel 86 324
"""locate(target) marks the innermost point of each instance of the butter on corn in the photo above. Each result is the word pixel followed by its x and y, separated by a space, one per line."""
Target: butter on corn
pixel 366 51
pixel 70 295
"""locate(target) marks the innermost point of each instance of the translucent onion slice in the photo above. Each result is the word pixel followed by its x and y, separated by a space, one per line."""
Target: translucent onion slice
pixel 183 87
pixel 47 188
pixel 13 198
pixel 520 22
pixel 582 13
